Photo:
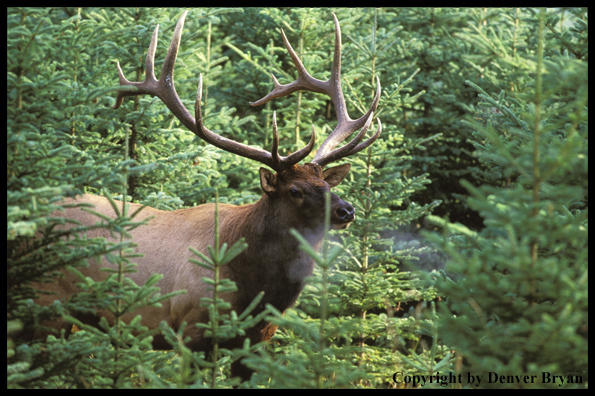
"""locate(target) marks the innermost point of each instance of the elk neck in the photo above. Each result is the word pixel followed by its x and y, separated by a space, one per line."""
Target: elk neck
pixel 273 261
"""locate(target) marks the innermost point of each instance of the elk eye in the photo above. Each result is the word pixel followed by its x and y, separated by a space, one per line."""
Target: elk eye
pixel 295 193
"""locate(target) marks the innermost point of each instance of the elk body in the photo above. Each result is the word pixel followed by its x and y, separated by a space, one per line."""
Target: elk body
pixel 293 198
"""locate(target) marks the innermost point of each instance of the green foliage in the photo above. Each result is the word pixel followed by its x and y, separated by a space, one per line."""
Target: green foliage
pixel 519 304
pixel 488 104
pixel 427 42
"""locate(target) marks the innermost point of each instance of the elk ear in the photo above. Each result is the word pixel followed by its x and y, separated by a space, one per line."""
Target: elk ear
pixel 335 175
pixel 268 181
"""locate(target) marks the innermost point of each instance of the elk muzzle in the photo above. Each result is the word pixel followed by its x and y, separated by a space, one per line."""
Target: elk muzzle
pixel 342 213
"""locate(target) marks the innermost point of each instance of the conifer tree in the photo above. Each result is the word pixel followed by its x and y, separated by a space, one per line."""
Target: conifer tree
pixel 519 303
pixel 49 106
pixel 371 281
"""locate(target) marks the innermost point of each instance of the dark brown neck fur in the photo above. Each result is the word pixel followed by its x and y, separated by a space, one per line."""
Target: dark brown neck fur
pixel 273 261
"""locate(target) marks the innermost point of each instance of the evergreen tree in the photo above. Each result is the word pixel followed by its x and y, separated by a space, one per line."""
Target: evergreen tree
pixel 48 107
pixel 519 304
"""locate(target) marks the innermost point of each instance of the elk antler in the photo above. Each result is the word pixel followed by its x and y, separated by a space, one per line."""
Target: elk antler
pixel 165 90
pixel 332 87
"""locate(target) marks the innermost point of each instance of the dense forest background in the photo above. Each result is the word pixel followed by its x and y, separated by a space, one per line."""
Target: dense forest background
pixel 466 265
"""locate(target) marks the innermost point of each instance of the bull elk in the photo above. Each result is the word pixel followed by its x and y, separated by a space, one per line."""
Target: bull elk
pixel 293 198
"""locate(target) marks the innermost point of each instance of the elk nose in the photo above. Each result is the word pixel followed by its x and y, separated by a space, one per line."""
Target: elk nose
pixel 346 212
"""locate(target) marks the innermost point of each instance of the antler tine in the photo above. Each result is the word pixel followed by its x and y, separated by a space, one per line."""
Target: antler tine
pixel 293 158
pixel 343 130
pixel 150 83
pixel 165 90
pixel 332 87
pixel 351 147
